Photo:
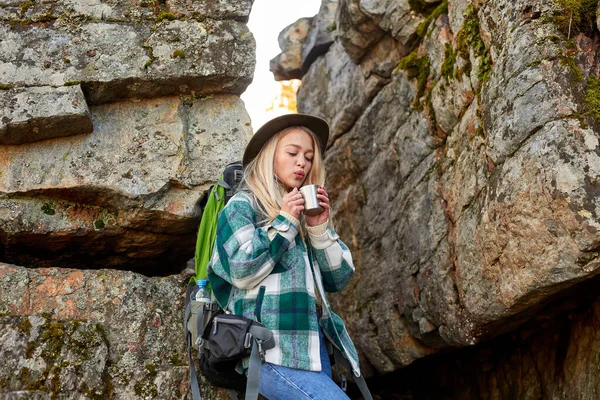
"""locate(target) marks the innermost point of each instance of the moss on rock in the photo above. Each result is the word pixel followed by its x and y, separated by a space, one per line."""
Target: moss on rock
pixel 423 27
pixel 576 16
pixel 178 54
pixel 447 67
pixel 25 327
pixel 416 68
pixel 60 347
pixel 592 97
pixel 165 15
pixel 469 39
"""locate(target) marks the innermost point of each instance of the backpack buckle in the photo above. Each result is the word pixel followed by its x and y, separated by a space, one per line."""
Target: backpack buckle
pixel 260 350
pixel 237 175
pixel 248 340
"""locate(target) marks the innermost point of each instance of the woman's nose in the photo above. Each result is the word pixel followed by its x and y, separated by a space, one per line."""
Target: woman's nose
pixel 301 162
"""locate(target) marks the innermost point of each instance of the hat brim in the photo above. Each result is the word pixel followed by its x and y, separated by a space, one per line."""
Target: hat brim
pixel 319 126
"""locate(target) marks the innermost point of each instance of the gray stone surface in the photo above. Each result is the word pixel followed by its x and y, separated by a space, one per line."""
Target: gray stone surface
pixel 123 11
pixel 77 201
pixel 93 334
pixel 498 19
pixel 321 34
pixel 32 114
pixel 340 99
pixel 394 17
pixel 288 64
pixel 238 10
pixel 356 31
pixel 526 92
pixel 120 60
pixel 361 30
pixel 469 208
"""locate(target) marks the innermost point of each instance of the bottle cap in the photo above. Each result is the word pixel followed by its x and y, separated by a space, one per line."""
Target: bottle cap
pixel 201 282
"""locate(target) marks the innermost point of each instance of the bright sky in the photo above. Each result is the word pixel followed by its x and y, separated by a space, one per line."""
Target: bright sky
pixel 267 19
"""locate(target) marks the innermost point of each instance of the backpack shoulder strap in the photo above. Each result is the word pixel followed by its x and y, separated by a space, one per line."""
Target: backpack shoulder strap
pixel 207 230
pixel 188 339
pixel 218 196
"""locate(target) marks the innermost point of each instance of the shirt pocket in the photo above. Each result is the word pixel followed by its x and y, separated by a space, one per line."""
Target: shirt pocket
pixel 284 265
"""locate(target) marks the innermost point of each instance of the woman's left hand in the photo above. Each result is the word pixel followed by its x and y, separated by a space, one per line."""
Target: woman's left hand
pixel 323 198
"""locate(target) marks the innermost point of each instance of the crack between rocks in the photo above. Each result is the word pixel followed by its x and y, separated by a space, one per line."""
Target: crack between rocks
pixel 533 133
pixel 529 66
pixel 29 288
pixel 445 236
pixel 339 136
pixel 85 19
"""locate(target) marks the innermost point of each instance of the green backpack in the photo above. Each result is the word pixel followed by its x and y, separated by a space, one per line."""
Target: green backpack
pixel 218 195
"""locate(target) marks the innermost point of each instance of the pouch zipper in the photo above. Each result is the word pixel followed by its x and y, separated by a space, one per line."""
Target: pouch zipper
pixel 216 320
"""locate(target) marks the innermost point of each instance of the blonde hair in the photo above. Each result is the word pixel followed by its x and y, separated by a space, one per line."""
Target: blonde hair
pixel 260 178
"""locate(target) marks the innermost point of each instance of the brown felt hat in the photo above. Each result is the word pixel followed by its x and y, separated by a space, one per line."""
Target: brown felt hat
pixel 319 126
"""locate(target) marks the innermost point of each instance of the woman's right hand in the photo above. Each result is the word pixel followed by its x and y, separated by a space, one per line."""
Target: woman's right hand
pixel 293 203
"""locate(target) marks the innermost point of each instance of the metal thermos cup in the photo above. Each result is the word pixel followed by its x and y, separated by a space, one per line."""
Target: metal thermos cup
pixel 311 203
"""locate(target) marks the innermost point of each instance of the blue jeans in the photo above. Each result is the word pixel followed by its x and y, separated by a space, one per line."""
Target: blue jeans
pixel 282 383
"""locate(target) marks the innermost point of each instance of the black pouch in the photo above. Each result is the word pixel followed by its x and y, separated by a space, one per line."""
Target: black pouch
pixel 228 337
pixel 226 341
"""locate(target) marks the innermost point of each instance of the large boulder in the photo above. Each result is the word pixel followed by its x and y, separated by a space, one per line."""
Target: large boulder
pixel 113 52
pixel 321 34
pixel 92 334
pixel 288 64
pixel 465 180
pixel 115 120
pixel 125 196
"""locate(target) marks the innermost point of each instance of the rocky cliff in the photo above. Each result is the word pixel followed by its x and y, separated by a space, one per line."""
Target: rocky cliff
pixel 464 164
pixel 464 168
pixel 115 118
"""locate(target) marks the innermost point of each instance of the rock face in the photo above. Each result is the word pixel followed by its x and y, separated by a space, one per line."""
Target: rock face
pixel 288 65
pixel 128 50
pixel 121 191
pixel 463 167
pixel 125 196
pixel 92 334
pixel 551 357
pixel 43 113
pixel 115 119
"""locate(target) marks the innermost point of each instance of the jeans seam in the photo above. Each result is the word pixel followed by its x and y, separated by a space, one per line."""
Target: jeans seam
pixel 308 396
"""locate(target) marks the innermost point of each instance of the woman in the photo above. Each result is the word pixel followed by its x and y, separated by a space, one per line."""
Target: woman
pixel 273 264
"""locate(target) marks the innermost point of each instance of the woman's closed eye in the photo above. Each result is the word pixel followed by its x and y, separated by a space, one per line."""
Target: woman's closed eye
pixel 293 154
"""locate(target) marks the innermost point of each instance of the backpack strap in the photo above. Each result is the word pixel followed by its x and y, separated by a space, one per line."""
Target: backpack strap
pixel 359 380
pixel 253 384
pixel 262 341
pixel 188 339
pixel 339 357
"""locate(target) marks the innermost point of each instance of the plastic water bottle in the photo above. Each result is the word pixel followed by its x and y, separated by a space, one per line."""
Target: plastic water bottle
pixel 202 293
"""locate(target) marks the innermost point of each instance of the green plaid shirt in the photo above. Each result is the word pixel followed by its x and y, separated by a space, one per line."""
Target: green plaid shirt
pixel 244 260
